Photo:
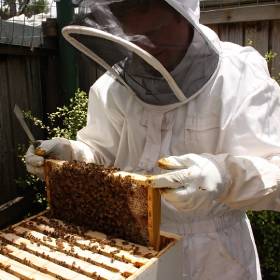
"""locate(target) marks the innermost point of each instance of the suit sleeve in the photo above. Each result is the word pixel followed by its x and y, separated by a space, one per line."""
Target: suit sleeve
pixel 251 140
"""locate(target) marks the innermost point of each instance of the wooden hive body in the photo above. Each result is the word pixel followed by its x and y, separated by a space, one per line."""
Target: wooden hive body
pixel 42 248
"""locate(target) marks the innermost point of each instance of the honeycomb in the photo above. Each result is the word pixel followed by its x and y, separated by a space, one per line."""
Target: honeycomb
pixel 91 196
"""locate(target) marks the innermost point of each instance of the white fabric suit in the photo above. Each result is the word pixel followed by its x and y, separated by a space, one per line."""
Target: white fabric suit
pixel 234 119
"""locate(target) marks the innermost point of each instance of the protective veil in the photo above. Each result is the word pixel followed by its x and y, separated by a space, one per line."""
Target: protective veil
pixel 217 110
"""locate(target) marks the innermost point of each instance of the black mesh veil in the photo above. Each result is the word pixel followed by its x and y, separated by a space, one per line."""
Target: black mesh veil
pixel 98 32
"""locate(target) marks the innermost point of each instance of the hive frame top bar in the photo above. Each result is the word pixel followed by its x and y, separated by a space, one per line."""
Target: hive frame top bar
pixel 31 254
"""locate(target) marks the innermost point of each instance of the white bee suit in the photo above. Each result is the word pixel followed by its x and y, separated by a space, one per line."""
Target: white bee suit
pixel 233 119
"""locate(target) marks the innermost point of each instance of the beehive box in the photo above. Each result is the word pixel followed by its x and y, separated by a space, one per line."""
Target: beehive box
pixel 92 196
pixel 45 248
pixel 81 238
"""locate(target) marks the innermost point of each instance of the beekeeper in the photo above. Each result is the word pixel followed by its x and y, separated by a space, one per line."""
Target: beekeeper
pixel 200 114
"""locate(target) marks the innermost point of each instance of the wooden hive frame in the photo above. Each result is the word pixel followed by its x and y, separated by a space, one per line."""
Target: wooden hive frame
pixel 40 248
pixel 154 199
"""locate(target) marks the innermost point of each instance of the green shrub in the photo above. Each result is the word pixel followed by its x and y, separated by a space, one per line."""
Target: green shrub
pixel 266 228
pixel 67 120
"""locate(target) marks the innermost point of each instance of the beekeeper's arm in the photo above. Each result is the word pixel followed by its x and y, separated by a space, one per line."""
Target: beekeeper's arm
pixel 250 180
pixel 95 142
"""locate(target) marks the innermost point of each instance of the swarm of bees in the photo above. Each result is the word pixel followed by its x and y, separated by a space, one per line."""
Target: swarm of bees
pixel 90 195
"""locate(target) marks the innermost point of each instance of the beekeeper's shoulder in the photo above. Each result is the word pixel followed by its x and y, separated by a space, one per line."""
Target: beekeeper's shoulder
pixel 102 85
pixel 247 59
pixel 107 91
pixel 107 88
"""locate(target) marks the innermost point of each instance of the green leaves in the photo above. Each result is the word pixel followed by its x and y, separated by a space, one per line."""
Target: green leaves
pixel 270 55
pixel 67 120
pixel 266 228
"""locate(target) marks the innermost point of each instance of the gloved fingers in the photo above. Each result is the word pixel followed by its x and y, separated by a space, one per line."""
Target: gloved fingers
pixel 184 198
pixel 46 147
pixel 133 176
pixel 37 143
pixel 166 180
pixel 175 195
pixel 156 181
pixel 175 179
pixel 39 151
pixel 38 171
pixel 176 162
pixel 32 159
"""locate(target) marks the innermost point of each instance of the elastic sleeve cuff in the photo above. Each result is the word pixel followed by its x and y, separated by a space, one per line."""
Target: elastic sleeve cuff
pixel 220 162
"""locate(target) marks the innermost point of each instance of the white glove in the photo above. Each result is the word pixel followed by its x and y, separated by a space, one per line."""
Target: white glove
pixel 197 181
pixel 240 182
pixel 56 148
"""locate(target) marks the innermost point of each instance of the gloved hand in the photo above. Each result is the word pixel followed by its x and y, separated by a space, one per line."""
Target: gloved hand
pixel 196 181
pixel 56 148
